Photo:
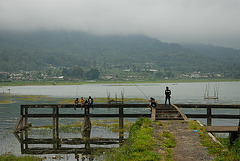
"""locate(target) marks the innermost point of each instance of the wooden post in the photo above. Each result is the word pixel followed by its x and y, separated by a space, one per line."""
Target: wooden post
pixel 26 124
pixel 239 129
pixel 121 124
pixel 54 127
pixel 54 121
pixel 26 116
pixel 26 139
pixel 209 115
pixel 22 143
pixel 21 112
pixel 153 114
pixel 232 137
pixel 86 125
pixel 57 126
pixel 86 109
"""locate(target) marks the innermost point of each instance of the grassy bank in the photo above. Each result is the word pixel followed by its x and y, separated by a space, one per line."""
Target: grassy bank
pixel 24 83
pixel 11 157
pixel 140 145
pixel 8 98
pixel 109 124
pixel 226 152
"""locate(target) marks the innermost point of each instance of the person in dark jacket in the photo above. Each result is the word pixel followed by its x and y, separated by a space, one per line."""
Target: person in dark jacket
pixel 167 96
pixel 153 103
pixel 90 102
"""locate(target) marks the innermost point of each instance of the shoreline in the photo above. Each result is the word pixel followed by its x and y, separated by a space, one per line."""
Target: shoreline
pixel 39 83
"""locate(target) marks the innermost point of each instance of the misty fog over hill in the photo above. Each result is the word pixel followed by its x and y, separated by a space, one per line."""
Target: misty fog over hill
pixel 36 50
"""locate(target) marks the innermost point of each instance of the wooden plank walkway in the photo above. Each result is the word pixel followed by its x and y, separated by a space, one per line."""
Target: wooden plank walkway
pixel 222 129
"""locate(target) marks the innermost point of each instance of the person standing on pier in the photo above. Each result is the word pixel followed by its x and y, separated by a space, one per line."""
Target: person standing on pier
pixel 167 96
pixel 76 103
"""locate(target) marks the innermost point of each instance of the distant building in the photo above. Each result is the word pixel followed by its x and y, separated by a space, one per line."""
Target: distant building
pixel 4 73
pixel 195 75
pixel 149 70
pixel 108 76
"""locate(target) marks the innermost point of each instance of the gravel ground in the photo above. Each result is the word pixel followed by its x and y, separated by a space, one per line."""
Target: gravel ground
pixel 188 147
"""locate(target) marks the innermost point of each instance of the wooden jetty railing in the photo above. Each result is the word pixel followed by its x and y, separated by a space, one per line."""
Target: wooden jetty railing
pixel 160 113
pixel 55 114
pixel 234 131
pixel 209 116
pixel 24 112
pixel 59 145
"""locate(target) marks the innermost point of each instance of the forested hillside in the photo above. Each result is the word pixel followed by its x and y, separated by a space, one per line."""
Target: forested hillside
pixel 36 50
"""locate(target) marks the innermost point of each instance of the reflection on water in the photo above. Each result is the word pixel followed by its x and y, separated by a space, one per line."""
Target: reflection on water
pixel 90 148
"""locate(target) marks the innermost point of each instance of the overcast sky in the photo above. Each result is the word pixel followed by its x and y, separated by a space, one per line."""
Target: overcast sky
pixel 206 21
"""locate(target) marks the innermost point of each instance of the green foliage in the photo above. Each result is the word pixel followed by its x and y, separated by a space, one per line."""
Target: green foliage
pixel 36 50
pixel 226 153
pixel 93 74
pixel 11 157
pixel 75 72
pixel 170 141
pixel 139 145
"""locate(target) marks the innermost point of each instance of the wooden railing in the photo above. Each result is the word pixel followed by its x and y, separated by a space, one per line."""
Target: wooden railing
pixel 209 115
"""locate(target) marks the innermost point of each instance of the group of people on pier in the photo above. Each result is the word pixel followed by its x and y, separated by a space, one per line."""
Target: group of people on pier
pixel 88 102
pixel 153 102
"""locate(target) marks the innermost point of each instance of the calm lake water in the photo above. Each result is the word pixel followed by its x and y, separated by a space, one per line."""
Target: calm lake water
pixel 228 93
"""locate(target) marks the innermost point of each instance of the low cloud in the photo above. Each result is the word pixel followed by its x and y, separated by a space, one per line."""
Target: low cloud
pixel 216 21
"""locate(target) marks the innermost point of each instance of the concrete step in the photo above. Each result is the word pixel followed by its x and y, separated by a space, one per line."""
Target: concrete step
pixel 165 118
pixel 167 114
pixel 166 111
pixel 165 108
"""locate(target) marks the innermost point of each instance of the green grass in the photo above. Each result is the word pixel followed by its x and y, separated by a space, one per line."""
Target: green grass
pixel 221 153
pixel 159 123
pixel 7 98
pixel 140 145
pixel 11 157
pixel 5 102
pixel 109 124
pixel 169 144
pixel 170 141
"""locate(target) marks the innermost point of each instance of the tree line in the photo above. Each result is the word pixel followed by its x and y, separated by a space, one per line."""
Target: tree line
pixel 37 50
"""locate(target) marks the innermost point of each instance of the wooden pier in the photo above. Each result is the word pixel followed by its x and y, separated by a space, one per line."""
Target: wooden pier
pixel 162 112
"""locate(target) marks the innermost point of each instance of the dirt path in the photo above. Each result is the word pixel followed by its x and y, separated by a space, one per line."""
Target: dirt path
pixel 188 147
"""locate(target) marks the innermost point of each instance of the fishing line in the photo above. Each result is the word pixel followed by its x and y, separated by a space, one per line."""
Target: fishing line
pixel 140 90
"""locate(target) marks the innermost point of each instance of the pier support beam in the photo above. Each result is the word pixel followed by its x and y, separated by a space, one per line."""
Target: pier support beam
pixel 86 125
pixel 121 124
pixel 21 122
pixel 153 114
pixel 209 116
